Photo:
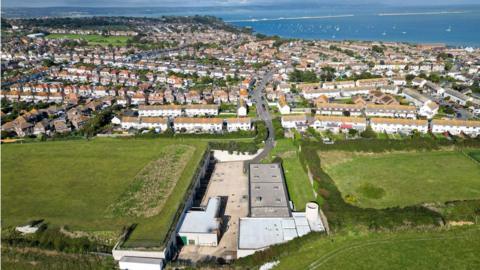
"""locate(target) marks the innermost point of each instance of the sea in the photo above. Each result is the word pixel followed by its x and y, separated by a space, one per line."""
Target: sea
pixel 457 26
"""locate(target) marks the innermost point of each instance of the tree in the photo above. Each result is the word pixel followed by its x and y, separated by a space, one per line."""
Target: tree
pixel 48 62
pixel 448 66
pixel 302 76
pixel 410 77
pixel 377 49
pixel 328 73
pixel 368 133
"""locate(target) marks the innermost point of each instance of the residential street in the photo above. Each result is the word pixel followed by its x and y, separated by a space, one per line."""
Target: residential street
pixel 264 114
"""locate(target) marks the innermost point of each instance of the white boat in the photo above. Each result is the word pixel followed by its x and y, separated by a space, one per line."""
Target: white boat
pixel 449 29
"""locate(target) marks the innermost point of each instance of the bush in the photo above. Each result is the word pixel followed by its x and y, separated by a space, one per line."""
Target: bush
pixel 55 240
pixel 234 146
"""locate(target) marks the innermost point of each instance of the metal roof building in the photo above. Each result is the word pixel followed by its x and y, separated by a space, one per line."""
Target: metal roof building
pixel 268 193
pixel 202 227
pixel 271 221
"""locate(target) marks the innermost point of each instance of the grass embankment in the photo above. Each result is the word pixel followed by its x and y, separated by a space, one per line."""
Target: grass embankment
pixel 94 39
pixel 438 249
pixel 475 155
pixel 400 179
pixel 73 183
pixel 33 258
pixel 299 187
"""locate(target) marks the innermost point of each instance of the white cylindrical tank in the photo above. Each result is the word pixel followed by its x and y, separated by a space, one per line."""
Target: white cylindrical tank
pixel 311 211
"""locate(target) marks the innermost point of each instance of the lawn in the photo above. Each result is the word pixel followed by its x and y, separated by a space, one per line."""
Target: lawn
pixel 440 249
pixel 298 184
pixel 403 178
pixel 94 39
pixel 78 183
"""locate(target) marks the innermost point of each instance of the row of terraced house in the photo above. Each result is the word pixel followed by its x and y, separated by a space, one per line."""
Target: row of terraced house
pixel 338 124
pixel 185 124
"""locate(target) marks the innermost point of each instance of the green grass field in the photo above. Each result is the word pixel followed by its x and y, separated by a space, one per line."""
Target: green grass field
pixel 402 179
pixel 298 184
pixel 94 39
pixel 443 249
pixel 74 182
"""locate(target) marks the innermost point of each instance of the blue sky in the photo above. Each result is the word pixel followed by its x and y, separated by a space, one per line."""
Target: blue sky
pixel 152 3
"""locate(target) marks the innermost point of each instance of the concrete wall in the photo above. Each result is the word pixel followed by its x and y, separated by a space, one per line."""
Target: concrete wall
pixel 201 239
pixel 119 254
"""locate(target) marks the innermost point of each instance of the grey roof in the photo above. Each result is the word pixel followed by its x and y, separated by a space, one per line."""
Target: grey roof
pixel 414 94
pixel 205 221
pixel 258 233
pixel 268 193
pixel 456 94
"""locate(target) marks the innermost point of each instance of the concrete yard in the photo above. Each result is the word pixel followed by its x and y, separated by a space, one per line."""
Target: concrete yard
pixel 227 181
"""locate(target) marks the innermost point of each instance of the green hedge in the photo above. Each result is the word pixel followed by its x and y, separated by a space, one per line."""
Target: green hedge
pixel 378 145
pixel 234 146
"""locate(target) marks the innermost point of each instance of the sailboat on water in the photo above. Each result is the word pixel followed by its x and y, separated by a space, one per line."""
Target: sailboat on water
pixel 449 29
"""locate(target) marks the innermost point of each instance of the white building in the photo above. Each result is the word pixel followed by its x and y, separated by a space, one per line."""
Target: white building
pixel 434 88
pixel 270 219
pixel 236 124
pixel 415 97
pixel 129 122
pixel 294 121
pixel 116 120
pixel 158 123
pixel 140 263
pixel 349 92
pixel 202 227
pixel 256 234
pixel 429 109
pixel 283 105
pixel 338 84
pixel 188 124
pixel 201 110
pixel 242 108
pixel 455 127
pixel 420 82
pixel 315 93
pixel 456 96
pixel 399 81
pixel 337 124
pixel 395 125
pixel 400 111
pixel 160 110
pixel 372 82
pixel 339 109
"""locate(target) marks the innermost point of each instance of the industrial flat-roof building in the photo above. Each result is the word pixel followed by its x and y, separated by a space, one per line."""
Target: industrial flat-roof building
pixel 271 220
pixel 268 193
pixel 202 227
